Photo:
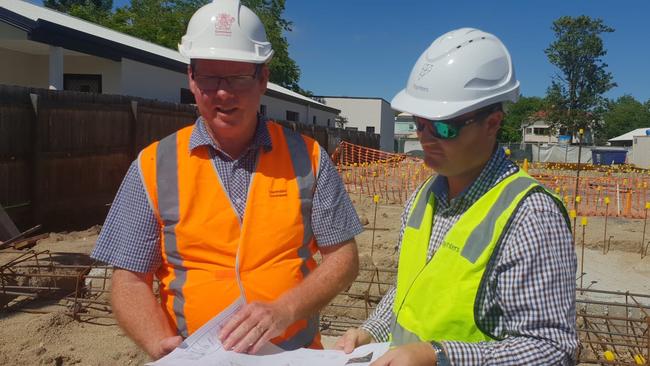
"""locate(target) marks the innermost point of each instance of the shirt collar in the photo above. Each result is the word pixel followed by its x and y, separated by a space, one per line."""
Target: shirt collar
pixel 201 137
pixel 492 173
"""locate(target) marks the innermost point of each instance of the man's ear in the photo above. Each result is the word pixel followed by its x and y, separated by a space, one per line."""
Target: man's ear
pixel 493 122
pixel 265 73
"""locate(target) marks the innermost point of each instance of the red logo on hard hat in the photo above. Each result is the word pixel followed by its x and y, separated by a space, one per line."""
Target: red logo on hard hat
pixel 224 24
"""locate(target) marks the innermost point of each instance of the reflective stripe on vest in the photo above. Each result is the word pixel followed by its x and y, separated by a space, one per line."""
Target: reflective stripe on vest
pixel 437 300
pixel 259 275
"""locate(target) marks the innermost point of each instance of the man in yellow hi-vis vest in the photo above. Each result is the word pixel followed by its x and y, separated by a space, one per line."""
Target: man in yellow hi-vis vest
pixel 487 267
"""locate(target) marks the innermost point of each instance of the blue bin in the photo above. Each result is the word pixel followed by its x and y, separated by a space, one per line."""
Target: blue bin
pixel 608 156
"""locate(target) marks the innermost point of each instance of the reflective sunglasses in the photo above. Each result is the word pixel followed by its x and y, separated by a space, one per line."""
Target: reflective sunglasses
pixel 234 82
pixel 448 129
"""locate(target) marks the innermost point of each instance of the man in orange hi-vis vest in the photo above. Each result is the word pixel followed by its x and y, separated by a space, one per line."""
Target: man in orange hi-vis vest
pixel 232 207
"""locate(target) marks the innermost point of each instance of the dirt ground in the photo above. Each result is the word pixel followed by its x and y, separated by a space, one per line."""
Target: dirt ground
pixel 53 338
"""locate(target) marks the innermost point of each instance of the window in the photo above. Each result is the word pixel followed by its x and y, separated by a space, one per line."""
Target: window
pixel 540 131
pixel 370 129
pixel 313 120
pixel 263 110
pixel 328 122
pixel 293 116
pixel 352 128
pixel 87 83
pixel 529 130
pixel 187 97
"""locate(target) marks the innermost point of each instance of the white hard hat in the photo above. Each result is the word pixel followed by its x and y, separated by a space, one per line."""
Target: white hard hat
pixel 461 71
pixel 225 30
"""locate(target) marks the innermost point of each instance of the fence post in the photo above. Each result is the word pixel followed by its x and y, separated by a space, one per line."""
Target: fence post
pixel 133 129
pixel 36 160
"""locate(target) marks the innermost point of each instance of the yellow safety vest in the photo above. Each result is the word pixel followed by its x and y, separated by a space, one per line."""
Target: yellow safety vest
pixel 438 300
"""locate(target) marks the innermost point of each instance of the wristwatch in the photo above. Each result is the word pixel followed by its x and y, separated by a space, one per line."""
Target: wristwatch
pixel 441 356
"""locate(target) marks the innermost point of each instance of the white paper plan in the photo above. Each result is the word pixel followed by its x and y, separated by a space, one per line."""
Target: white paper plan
pixel 203 348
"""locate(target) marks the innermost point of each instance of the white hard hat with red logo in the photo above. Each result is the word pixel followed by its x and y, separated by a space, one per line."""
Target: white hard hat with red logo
pixel 225 30
pixel 461 71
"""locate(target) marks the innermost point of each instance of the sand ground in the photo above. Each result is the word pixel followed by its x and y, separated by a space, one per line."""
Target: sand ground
pixel 53 338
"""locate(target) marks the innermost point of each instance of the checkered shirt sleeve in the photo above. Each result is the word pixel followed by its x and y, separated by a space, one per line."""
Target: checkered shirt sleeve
pixel 333 215
pixel 130 237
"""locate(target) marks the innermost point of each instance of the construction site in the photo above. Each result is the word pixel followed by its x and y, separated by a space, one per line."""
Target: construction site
pixel 54 299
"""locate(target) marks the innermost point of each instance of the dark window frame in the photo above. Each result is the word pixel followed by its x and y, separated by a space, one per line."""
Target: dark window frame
pixel 68 78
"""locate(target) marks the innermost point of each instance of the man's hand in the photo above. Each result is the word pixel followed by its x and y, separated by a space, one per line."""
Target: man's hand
pixel 353 338
pixel 413 354
pixel 253 325
pixel 167 345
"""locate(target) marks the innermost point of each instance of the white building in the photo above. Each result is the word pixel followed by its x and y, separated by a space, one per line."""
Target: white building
pixel 42 48
pixel 627 139
pixel 366 114
pixel 538 132
pixel 406 136
pixel 641 151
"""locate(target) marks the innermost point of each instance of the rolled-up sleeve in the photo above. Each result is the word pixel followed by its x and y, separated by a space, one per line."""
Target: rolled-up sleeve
pixel 130 237
pixel 334 219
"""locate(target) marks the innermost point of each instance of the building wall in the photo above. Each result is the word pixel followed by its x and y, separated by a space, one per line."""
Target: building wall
pixel 152 82
pixel 387 127
pixel 529 137
pixel 412 145
pixel 641 152
pixel 108 69
pixel 17 68
pixel 370 112
pixel 277 109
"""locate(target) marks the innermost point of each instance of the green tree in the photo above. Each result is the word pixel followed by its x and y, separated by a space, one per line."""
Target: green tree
pixel 624 115
pixel 164 22
pixel 516 115
pixel 284 70
pixel 158 21
pixel 66 5
pixel 96 11
pixel 340 121
pixel 575 98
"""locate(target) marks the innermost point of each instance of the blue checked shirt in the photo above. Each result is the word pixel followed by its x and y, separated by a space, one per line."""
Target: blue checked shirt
pixel 130 237
pixel 528 299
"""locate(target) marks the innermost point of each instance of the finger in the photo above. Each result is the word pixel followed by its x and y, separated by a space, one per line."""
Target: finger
pixel 350 342
pixel 234 322
pixel 238 335
pixel 249 340
pixel 340 343
pixel 266 336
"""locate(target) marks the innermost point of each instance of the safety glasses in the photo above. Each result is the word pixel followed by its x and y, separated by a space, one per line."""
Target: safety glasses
pixel 448 129
pixel 233 82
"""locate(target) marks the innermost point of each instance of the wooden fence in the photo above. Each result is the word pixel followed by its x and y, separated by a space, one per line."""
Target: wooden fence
pixel 63 154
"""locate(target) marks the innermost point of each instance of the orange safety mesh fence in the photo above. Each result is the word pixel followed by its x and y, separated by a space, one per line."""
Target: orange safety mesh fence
pixel 602 190
pixel 370 172
pixel 621 191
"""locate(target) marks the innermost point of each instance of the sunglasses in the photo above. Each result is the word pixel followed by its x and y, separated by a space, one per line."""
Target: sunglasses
pixel 234 82
pixel 448 129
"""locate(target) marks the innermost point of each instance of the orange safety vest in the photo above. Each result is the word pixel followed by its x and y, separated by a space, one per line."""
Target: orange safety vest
pixel 211 257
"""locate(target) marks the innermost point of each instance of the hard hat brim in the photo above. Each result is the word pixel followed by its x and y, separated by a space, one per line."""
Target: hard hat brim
pixel 440 110
pixel 219 55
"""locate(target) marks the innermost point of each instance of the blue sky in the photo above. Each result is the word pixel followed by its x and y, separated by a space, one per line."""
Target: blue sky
pixel 367 48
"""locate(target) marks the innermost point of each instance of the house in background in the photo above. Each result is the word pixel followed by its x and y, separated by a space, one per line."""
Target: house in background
pixel 373 115
pixel 538 131
pixel 406 138
pixel 42 48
